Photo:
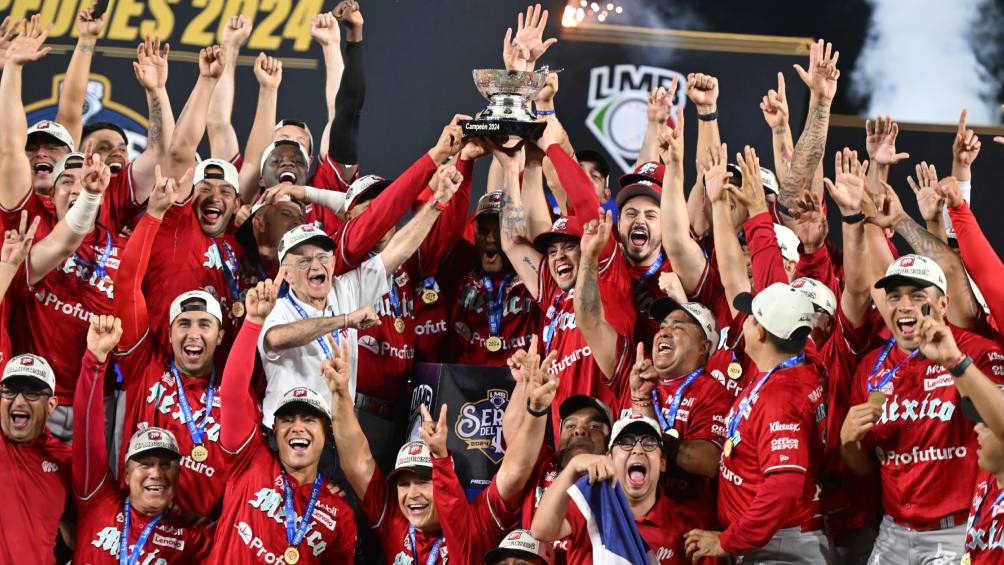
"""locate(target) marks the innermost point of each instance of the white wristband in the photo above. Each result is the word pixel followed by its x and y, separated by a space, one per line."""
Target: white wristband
pixel 80 217
pixel 966 188
pixel 331 199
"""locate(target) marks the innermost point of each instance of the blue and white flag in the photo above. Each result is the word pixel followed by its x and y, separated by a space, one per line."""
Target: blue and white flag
pixel 611 525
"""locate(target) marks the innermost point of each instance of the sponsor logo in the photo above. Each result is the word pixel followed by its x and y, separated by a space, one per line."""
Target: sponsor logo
pixel 153 436
pixel 325 520
pixel 618 103
pixel 430 327
pixel 934 369
pixel 173 543
pixel 74 310
pixel 572 357
pixel 421 395
pixel 896 409
pixel 201 468
pixel 782 443
pixel 256 544
pixel 480 424
pixel 369 343
pixel 49 467
pixel 664 553
pixel 782 427
pixel 728 475
pixel 300 393
pixel 995 356
pixel 938 382
pixel 906 262
pixel 918 455
pixel 270 502
pixel 27 361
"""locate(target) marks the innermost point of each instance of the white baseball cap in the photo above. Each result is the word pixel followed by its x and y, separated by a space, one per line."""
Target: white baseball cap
pixel 54 130
pixel 700 313
pixel 361 186
pixel 204 302
pixel 817 293
pixel 413 456
pixel 31 366
pixel 302 234
pixel 787 241
pixel 299 124
pixel 521 543
pixel 229 175
pixel 769 180
pixel 781 309
pixel 914 269
pixel 150 439
pixel 634 420
pixel 280 143
pixel 305 396
pixel 64 163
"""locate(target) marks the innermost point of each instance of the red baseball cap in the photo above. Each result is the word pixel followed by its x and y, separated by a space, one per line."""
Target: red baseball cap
pixel 650 171
pixel 563 227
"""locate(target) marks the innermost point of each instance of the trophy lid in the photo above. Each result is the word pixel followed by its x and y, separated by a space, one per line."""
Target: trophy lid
pixel 500 81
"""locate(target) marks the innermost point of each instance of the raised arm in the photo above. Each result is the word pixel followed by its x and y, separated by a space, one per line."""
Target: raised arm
pixel 15 169
pixel 589 319
pixel 16 245
pixel 449 228
pixel 685 254
pixel 821 78
pixel 660 105
pixel 766 260
pixel 702 90
pixel 775 112
pixel 326 32
pixel 90 454
pixel 517 241
pixel 70 231
pixel 70 111
pixel 405 242
pixel 268 71
pixel 729 254
pixel 223 142
pixel 192 122
pixel 151 73
pixel 343 135
pixel 354 455
pixel 847 193
pixel 579 190
pixel 515 411
pixel 930 203
pixel 538 211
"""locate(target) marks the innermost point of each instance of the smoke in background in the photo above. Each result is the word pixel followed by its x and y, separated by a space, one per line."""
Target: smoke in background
pixel 925 60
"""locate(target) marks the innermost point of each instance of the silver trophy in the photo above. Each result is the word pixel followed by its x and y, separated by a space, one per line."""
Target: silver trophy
pixel 509 94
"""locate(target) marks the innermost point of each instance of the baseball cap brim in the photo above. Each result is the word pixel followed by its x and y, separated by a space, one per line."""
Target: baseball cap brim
pixel 640 188
pixel 297 405
pixel 420 470
pixel 893 281
pixel 577 402
pixel 28 377
pixel 544 240
pixel 503 552
pixel 643 426
pixel 594 157
pixel 665 306
pixel 321 240
pixel 743 302
pixel 371 192
pixel 158 449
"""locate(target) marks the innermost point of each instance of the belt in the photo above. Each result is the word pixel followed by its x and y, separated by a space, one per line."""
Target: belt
pixel 950 521
pixel 376 406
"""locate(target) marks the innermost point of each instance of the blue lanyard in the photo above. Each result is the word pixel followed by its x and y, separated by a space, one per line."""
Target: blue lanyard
pixel 98 265
pixel 320 341
pixel 395 300
pixel 652 269
pixel 979 507
pixel 733 419
pixel 670 419
pixel 295 534
pixel 229 267
pixel 883 355
pixel 124 557
pixel 197 431
pixel 495 306
pixel 552 327
pixel 429 284
pixel 433 553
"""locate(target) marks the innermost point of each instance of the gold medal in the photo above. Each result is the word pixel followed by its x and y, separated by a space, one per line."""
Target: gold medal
pixel 735 370
pixel 237 309
pixel 494 343
pixel 673 433
pixel 399 325
pixel 430 296
pixel 291 555
pixel 727 450
pixel 876 398
pixel 107 280
pixel 966 559
pixel 200 453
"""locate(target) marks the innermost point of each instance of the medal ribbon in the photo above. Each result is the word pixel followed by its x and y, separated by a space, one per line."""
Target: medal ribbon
pixel 124 557
pixel 429 284
pixel 197 431
pixel 320 341
pixel 395 299
pixel 552 327
pixel 98 265
pixel 294 534
pixel 670 420
pixel 979 506
pixel 495 305
pixel 433 553
pixel 734 418
pixel 883 355
pixel 229 267
pixel 652 269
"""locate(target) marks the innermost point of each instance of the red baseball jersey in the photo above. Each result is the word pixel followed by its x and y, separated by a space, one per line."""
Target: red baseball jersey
pixel 662 529
pixel 985 527
pixel 645 288
pixel 120 211
pixel 922 437
pixel 387 356
pixel 431 322
pixel 544 472
pixel 151 399
pixel 469 528
pixel 723 363
pixel 36 478
pixel 252 528
pixel 99 529
pixel 51 317
pixel 782 430
pixel 470 330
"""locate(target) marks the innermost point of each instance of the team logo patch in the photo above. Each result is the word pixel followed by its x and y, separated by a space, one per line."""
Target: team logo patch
pixel 300 393
pixel 27 361
pixel 153 436
pixel 480 424
pixel 907 262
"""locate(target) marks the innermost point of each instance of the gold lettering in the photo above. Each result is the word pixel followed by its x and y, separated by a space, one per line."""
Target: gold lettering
pixel 119 27
pixel 263 37
pixel 195 33
pixel 63 16
pixel 24 8
pixel 162 23
pixel 298 25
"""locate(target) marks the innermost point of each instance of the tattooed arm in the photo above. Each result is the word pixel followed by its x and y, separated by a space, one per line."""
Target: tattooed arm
pixel 515 227
pixel 602 337
pixel 151 71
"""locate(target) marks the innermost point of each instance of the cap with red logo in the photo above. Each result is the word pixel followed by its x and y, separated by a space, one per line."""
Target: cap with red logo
pixel 53 130
pixel 489 204
pixel 31 366
pixel 914 269
pixel 698 312
pixel 522 544
pixel 302 234
pixel 152 439
pixel 650 171
pixel 364 189
pixel 305 396
pixel 413 457
pixel 818 293
pixel 562 228
pixel 646 180
pixel 635 421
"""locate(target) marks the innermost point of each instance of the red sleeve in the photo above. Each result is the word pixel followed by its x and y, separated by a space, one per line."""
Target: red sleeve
pixel 361 233
pixel 475 526
pixel 345 551
pixel 773 504
pixel 990 360
pixel 90 454
pixel 580 191
pixel 707 418
pixel 450 226
pixel 765 253
pixel 980 259
pixel 787 448
pixel 120 208
pixel 238 414
pixel 818 265
pixel 375 503
pixel 130 304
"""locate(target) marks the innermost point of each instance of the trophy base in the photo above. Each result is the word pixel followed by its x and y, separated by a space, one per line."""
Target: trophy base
pixel 502 128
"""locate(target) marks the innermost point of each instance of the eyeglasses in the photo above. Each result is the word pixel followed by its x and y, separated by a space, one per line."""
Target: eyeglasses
pixel 8 393
pixel 648 443
pixel 304 263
